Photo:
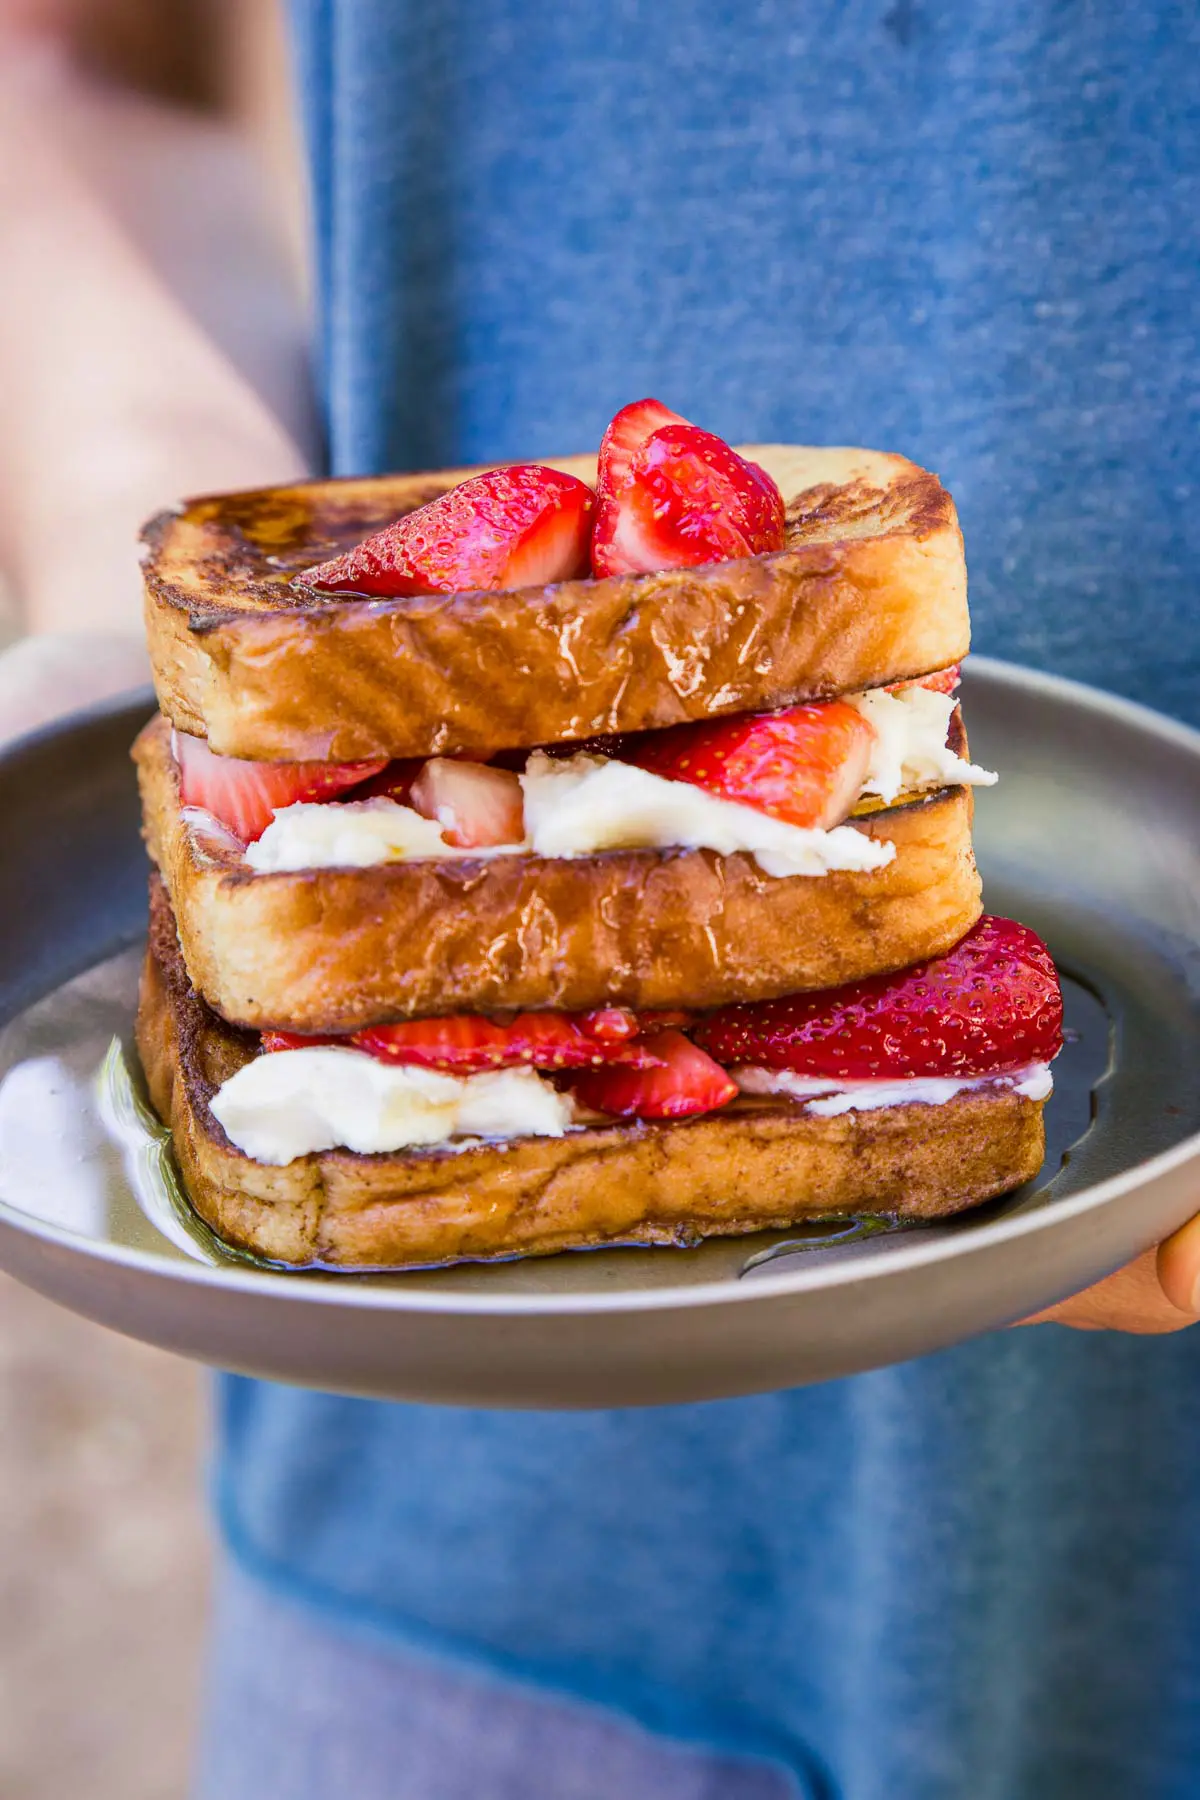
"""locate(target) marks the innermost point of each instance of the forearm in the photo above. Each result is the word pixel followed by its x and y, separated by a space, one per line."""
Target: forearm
pixel 150 343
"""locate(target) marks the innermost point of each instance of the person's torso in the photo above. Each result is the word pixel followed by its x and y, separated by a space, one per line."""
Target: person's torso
pixel 965 232
pixel 968 233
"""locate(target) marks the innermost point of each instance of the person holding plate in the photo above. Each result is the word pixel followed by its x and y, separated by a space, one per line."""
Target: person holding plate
pixel 966 233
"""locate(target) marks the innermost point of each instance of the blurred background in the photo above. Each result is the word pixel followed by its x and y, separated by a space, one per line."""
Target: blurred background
pixel 103 1553
pixel 103 1559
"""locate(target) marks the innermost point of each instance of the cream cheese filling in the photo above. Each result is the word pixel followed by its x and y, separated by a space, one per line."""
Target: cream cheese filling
pixel 579 805
pixel 288 1103
pixel 910 751
pixel 353 834
pixel 826 1099
pixel 583 804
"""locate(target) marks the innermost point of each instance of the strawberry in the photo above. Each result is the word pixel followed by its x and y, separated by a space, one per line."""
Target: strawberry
pixel 805 765
pixel 660 1019
pixel 942 681
pixel 626 434
pixel 516 527
pixel 473 803
pixel 991 1004
pixel 245 796
pixel 671 496
pixel 611 1024
pixel 628 431
pixel 465 1042
pixel 620 1022
pixel 454 1042
pixel 685 1081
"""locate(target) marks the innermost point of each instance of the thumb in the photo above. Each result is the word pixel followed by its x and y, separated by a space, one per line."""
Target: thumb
pixel 1179 1267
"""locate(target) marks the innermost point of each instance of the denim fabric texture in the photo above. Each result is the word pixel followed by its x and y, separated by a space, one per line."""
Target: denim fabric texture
pixel 964 231
pixel 300 1709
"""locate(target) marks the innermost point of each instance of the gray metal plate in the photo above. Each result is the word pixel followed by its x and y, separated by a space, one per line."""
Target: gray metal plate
pixel 1092 837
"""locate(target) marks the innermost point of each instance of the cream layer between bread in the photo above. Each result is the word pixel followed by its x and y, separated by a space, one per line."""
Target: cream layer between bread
pixel 584 804
pixel 288 1103
pixel 827 1099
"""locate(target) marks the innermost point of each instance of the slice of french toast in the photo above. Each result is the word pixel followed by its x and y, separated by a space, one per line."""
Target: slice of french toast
pixel 757 1164
pixel 870 588
pixel 335 949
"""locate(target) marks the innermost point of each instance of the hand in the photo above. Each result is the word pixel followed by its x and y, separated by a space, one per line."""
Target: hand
pixel 1158 1292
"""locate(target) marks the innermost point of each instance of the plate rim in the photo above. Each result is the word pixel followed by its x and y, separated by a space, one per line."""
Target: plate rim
pixel 336 1287
pixel 14 748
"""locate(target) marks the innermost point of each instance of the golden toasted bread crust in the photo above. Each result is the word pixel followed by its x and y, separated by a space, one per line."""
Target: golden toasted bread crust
pixel 870 588
pixel 337 949
pixel 753 1166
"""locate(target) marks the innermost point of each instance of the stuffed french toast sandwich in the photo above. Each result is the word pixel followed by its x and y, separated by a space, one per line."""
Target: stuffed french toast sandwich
pixel 556 855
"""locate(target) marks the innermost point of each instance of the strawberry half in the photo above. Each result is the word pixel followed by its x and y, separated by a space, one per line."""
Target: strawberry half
pixel 805 765
pixel 473 803
pixel 510 528
pixel 672 496
pixel 465 1043
pixel 245 796
pixel 632 427
pixel 991 1004
pixel 685 1081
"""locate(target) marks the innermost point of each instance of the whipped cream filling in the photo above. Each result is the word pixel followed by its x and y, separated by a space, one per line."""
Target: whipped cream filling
pixel 353 834
pixel 583 804
pixel 578 805
pixel 910 750
pixel 288 1103
pixel 825 1099
pixel 574 806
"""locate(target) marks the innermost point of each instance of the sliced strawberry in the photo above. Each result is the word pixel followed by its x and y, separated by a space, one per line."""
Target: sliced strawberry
pixel 672 496
pixel 245 796
pixel 615 1024
pixel 660 1019
pixel 626 434
pixel 687 1082
pixel 465 1042
pixel 942 681
pixel 805 765
pixel 618 1022
pixel 473 803
pixel 992 1003
pixel 510 528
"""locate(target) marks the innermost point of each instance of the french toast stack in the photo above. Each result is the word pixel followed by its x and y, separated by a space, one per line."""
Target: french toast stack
pixel 589 897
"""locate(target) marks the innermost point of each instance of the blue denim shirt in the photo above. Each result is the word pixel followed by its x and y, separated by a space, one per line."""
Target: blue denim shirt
pixel 964 231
